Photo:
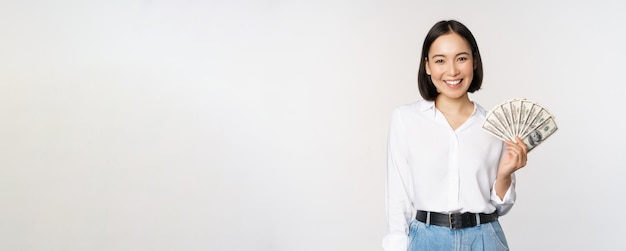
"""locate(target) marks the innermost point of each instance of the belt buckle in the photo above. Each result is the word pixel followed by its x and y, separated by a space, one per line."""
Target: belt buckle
pixel 455 221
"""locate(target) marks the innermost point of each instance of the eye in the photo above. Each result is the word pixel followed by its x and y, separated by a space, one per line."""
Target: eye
pixel 462 59
pixel 439 61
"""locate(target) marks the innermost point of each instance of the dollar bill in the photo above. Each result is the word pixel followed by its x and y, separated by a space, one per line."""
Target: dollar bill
pixel 532 114
pixel 516 106
pixel 495 126
pixel 495 131
pixel 527 107
pixel 506 112
pixel 497 119
pixel 540 134
pixel 541 116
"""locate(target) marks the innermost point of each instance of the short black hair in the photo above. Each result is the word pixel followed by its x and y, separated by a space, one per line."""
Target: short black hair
pixel 426 87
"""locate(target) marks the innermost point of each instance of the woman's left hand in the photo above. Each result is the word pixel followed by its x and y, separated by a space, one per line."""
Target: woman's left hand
pixel 515 158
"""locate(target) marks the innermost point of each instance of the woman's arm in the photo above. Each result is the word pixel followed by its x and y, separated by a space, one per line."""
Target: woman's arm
pixel 398 182
pixel 515 158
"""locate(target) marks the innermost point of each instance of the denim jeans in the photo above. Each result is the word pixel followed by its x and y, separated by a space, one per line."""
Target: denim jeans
pixel 486 236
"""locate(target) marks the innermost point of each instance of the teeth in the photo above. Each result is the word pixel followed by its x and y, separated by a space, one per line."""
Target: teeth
pixel 456 82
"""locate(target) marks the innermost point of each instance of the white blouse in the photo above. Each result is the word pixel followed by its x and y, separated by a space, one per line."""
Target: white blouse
pixel 432 167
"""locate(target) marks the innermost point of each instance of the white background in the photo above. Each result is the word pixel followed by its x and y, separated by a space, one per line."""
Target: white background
pixel 262 125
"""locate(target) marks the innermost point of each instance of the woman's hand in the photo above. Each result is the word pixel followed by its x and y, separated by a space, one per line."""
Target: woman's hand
pixel 515 158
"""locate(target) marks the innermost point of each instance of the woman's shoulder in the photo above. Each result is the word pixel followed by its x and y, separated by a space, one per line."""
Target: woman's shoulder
pixel 416 106
pixel 480 109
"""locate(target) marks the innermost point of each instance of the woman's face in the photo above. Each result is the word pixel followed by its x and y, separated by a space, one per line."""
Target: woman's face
pixel 450 65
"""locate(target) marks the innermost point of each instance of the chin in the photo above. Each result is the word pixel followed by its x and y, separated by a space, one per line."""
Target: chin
pixel 454 95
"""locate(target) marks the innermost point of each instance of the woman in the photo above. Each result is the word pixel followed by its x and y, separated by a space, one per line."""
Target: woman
pixel 447 179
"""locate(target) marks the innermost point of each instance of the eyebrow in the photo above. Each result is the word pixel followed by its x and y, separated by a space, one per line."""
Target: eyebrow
pixel 459 54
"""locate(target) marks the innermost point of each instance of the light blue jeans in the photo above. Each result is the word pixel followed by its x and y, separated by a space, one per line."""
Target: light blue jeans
pixel 486 236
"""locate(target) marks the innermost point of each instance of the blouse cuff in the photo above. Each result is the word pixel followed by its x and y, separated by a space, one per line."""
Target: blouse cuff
pixel 395 242
pixel 509 196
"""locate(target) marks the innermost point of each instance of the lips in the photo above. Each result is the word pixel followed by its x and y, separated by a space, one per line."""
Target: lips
pixel 452 82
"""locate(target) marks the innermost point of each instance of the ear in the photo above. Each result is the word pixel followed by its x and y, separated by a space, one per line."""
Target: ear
pixel 426 66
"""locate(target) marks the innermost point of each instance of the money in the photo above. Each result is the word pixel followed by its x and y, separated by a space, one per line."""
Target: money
pixel 516 107
pixel 522 118
pixel 539 134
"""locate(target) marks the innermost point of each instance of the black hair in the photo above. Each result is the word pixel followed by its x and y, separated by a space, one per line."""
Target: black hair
pixel 426 87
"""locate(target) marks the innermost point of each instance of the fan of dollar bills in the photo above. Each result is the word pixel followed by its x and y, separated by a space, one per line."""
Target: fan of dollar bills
pixel 520 117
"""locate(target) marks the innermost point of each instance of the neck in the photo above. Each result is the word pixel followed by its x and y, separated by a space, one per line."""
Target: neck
pixel 453 106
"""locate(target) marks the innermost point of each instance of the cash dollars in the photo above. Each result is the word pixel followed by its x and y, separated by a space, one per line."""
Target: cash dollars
pixel 523 118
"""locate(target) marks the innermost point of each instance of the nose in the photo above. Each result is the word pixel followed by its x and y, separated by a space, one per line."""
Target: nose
pixel 453 69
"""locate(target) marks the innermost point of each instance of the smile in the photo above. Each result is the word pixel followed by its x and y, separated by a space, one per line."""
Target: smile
pixel 452 82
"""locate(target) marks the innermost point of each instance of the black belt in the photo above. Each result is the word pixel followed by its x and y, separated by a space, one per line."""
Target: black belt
pixel 456 220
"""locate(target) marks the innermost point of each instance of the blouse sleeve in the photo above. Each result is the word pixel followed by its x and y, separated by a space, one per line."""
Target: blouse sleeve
pixel 504 205
pixel 398 203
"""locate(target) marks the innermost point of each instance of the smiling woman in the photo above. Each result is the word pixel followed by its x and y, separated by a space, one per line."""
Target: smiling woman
pixel 451 69
pixel 455 177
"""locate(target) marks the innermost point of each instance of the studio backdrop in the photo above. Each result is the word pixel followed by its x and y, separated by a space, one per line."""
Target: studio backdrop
pixel 262 125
